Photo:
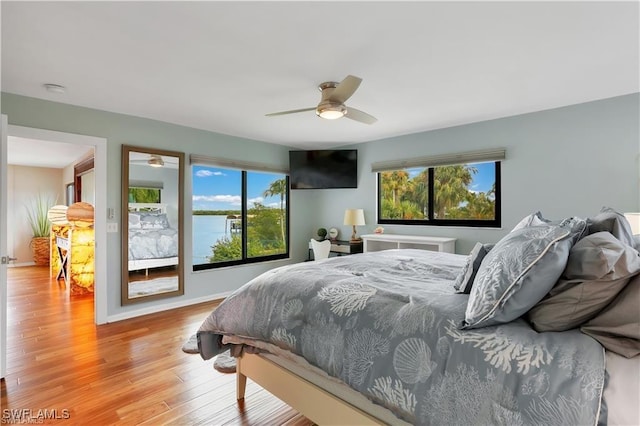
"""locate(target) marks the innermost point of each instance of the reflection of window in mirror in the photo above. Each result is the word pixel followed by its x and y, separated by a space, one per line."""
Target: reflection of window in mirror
pixel 148 191
pixel 70 194
pixel 144 195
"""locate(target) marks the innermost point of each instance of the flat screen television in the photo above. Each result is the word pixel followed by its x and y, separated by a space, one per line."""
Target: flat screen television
pixel 322 169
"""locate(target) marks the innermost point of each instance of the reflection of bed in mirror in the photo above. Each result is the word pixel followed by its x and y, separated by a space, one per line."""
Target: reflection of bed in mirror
pixel 153 241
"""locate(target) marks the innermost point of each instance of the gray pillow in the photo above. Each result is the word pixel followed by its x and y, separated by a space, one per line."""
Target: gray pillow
pixel 519 271
pixel 154 221
pixel 534 219
pixel 598 268
pixel 617 327
pixel 614 222
pixel 134 221
pixel 464 281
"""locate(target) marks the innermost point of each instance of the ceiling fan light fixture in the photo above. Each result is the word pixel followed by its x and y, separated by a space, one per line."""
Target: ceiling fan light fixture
pixel 155 161
pixel 331 111
pixel 332 104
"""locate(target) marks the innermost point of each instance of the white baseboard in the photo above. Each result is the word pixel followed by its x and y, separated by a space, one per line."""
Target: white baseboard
pixel 165 307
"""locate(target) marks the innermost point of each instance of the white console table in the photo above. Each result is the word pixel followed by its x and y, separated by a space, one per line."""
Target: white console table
pixel 377 242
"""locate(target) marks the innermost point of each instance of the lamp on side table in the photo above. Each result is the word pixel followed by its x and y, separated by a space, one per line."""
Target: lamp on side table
pixel 354 217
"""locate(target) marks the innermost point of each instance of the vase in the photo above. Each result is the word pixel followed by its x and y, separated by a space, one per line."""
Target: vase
pixel 40 250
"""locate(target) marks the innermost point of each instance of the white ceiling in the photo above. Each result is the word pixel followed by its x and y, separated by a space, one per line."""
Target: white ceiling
pixel 221 66
pixel 38 153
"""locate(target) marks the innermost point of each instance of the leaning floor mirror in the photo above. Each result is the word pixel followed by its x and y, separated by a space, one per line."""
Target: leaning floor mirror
pixel 152 224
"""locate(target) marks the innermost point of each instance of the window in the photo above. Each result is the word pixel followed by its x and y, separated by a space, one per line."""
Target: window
pixel 70 194
pixel 239 216
pixel 144 195
pixel 454 195
pixel 145 191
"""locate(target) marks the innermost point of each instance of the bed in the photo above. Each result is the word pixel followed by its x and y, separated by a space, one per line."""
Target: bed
pixel 398 337
pixel 153 242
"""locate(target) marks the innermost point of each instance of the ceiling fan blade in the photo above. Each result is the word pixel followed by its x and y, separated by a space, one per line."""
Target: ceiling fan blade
pixel 345 89
pixel 361 116
pixel 293 111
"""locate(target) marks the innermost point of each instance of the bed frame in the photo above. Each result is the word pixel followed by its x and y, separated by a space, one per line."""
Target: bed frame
pixel 136 265
pixel 315 403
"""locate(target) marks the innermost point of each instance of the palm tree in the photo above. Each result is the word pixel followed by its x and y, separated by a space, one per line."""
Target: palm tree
pixel 480 206
pixel 420 191
pixel 451 187
pixel 394 183
pixel 410 210
pixel 278 187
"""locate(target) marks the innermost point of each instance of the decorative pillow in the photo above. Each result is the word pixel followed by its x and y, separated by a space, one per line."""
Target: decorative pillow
pixel 598 268
pixel 464 281
pixel 519 271
pixel 134 221
pixel 617 327
pixel 614 222
pixel 154 221
pixel 534 219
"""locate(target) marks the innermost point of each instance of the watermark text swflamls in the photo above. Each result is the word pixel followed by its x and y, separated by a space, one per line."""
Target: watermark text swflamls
pixel 29 416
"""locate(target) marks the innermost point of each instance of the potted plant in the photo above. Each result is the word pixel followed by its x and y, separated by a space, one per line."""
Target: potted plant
pixel 40 228
pixel 322 233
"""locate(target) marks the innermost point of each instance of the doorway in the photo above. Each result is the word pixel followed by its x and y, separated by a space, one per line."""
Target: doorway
pixel 98 145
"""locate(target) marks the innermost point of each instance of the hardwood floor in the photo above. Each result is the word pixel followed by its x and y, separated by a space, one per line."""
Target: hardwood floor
pixel 129 372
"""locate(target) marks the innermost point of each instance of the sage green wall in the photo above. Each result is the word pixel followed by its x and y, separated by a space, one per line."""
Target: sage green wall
pixel 567 161
pixel 121 129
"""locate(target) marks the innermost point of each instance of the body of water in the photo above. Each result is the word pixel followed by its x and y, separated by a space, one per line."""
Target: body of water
pixel 206 231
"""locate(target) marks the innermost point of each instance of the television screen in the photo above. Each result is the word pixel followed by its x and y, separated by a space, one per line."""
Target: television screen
pixel 320 169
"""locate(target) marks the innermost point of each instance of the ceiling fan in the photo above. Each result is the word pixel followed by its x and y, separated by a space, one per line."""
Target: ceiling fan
pixel 153 160
pixel 332 106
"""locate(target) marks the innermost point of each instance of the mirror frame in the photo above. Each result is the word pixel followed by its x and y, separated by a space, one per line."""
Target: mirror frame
pixel 124 293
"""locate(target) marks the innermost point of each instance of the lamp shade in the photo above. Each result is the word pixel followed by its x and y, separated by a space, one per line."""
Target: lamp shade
pixel 354 217
pixel 634 221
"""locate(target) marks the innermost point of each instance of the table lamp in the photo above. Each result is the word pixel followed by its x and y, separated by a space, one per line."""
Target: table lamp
pixel 354 217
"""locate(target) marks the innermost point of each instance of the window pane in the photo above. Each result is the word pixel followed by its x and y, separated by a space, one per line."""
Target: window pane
pixel 217 209
pixel 144 195
pixel 458 195
pixel 465 192
pixel 266 214
pixel 404 194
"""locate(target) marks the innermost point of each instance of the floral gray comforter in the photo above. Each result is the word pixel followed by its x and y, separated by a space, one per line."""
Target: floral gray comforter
pixel 386 323
pixel 153 243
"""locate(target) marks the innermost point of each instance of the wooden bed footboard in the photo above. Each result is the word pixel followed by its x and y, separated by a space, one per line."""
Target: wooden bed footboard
pixel 313 402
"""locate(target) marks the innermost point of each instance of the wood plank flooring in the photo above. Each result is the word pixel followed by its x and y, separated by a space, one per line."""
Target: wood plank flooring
pixel 129 372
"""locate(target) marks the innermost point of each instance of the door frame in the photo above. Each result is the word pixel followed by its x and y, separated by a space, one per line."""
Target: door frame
pixel 3 245
pixel 100 209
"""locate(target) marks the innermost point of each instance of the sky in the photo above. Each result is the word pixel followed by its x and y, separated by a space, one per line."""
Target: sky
pixel 485 178
pixel 220 189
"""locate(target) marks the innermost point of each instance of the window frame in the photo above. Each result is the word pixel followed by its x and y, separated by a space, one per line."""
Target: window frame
pixel 430 220
pixel 245 260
